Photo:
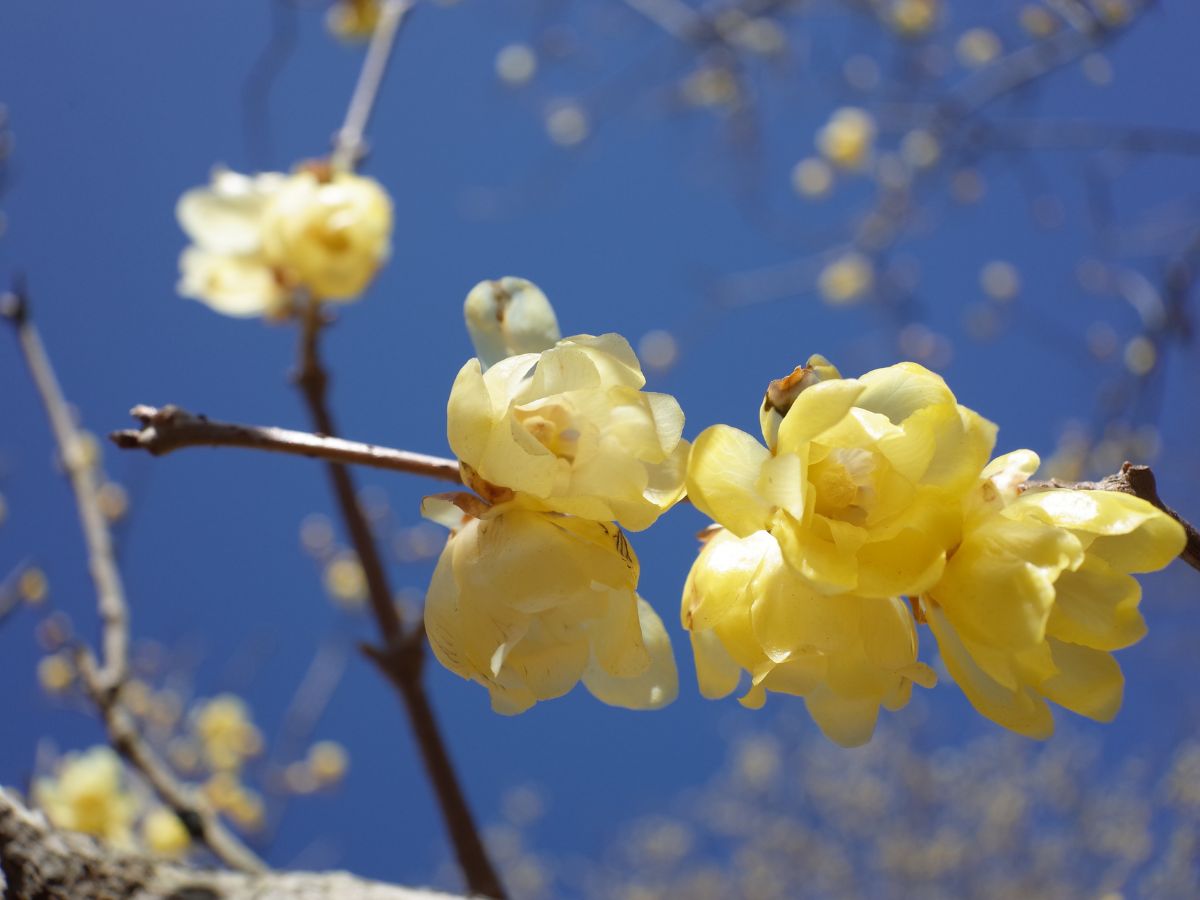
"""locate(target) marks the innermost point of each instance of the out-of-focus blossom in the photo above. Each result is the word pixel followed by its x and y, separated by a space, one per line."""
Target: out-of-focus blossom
pixel 88 793
pixel 748 610
pixel 516 64
pixel 1038 593
pixel 977 47
pixel 848 138
pixel 847 279
pixel 164 834
pixel 257 240
pixel 812 177
pixel 226 732
pixel 353 20
pixel 912 18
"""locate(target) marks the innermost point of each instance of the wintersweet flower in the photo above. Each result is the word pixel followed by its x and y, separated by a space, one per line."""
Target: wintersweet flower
pixel 861 481
pixel 747 610
pixel 353 20
pixel 226 732
pixel 571 431
pixel 507 317
pixel 163 833
pixel 1038 594
pixel 848 138
pixel 89 794
pixel 258 240
pixel 529 603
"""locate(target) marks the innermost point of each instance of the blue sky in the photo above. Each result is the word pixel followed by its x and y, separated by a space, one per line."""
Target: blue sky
pixel 117 110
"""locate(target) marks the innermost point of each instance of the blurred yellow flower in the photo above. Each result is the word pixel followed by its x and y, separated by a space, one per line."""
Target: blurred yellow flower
pixel 529 603
pixel 570 431
pixel 88 793
pixel 1038 594
pixel 56 672
pixel 328 762
pixel 847 279
pixel 848 138
pixel 256 240
pixel 747 609
pixel 227 735
pixel 977 47
pixel 861 481
pixel 352 20
pixel 913 18
pixel 164 834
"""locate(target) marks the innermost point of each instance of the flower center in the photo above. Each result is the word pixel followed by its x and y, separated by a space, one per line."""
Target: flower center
pixel 552 427
pixel 843 482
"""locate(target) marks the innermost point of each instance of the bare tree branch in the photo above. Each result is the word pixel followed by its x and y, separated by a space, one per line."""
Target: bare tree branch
pixel 401 657
pixel 349 144
pixel 170 428
pixel 39 861
pixel 104 681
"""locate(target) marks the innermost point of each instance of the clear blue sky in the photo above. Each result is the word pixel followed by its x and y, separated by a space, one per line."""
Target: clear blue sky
pixel 118 108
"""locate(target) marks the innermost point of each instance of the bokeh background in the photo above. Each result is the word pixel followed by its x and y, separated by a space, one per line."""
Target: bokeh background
pixel 644 180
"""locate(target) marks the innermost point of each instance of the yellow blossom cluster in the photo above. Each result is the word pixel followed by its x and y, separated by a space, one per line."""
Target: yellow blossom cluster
pixel 259 241
pixel 875 490
pixel 90 792
pixel 353 20
pixel 225 732
pixel 536 589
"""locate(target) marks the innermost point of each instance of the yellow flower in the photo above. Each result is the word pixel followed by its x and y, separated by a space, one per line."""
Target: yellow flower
pixel 529 603
pixel 328 762
pixel 164 834
pixel 226 732
pixel 508 317
pixel 258 239
pixel 570 431
pixel 913 18
pixel 352 20
pixel 330 231
pixel 747 609
pixel 226 266
pixel 847 279
pixel 1039 592
pixel 861 481
pixel 88 794
pixel 848 138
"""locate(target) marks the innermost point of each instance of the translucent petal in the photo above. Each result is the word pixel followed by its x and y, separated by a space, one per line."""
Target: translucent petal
pixel 469 415
pixel 716 672
pixel 782 483
pixel 899 391
pixel 653 689
pixel 240 286
pixel 845 721
pixel 723 472
pixel 720 577
pixel 1089 682
pixel 1097 607
pixel 818 408
pixel 1018 710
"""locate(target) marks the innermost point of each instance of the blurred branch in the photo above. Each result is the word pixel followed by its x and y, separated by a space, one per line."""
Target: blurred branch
pixel 402 655
pixel 170 428
pixel 38 860
pixel 10 595
pixel 349 144
pixel 1140 482
pixel 104 680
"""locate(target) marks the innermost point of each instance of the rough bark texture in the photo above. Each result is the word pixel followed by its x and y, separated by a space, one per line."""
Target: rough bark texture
pixel 39 862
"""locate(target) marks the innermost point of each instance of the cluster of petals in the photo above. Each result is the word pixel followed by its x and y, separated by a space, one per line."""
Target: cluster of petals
pixel 259 240
pixel 1039 593
pixel 529 603
pixel 873 500
pixel 536 589
pixel 89 794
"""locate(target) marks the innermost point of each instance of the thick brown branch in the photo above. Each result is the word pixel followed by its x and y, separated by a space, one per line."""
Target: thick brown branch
pixel 1139 481
pixel 103 682
pixel 40 861
pixel 402 655
pixel 170 428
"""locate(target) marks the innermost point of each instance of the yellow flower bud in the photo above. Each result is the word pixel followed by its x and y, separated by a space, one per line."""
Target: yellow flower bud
pixel 529 603
pixel 56 673
pixel 571 431
pixel 33 586
pixel 847 279
pixel 862 484
pixel 748 610
pixel 508 317
pixel 847 140
pixel 226 733
pixel 328 762
pixel 345 581
pixel 88 794
pixel 913 18
pixel 164 834
pixel 352 20
pixel 1039 592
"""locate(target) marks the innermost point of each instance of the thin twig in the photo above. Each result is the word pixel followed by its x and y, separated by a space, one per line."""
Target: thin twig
pixel 170 428
pixel 1140 482
pixel 402 655
pixel 104 680
pixel 349 144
